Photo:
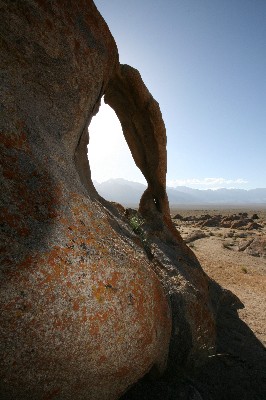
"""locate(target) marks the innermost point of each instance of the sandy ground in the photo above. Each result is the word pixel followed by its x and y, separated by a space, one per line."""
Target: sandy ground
pixel 243 274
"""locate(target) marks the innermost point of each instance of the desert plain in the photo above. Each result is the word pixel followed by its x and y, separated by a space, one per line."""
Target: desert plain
pixel 230 244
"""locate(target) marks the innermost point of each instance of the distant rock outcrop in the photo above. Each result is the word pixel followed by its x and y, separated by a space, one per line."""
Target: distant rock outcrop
pixel 85 308
pixel 255 247
pixel 231 221
pixel 195 236
pixel 178 216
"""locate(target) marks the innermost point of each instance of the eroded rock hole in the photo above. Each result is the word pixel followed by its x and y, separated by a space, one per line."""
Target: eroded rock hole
pixel 157 204
pixel 113 169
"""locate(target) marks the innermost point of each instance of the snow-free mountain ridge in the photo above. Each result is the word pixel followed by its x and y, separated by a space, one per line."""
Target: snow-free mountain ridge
pixel 128 193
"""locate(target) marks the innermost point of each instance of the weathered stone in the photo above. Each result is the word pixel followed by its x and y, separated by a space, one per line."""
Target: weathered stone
pixel 203 217
pixel 225 224
pixel 253 226
pixel 255 216
pixel 212 222
pixel 82 314
pixel 190 218
pixel 243 244
pixel 178 216
pixel 232 217
pixel 84 311
pixel 242 223
pixel 257 248
pixel 195 236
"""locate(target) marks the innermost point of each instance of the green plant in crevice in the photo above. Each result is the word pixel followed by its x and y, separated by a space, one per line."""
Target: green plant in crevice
pixel 136 224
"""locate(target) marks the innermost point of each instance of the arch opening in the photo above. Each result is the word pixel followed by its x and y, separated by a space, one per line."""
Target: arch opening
pixel 113 170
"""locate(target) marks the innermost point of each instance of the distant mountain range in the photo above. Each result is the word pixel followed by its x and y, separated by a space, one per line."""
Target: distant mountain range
pixel 128 193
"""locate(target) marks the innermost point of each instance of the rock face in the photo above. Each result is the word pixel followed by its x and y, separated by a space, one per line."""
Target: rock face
pixel 84 311
pixel 78 301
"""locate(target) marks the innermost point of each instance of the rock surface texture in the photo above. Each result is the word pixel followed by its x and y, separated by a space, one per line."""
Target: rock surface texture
pixel 85 307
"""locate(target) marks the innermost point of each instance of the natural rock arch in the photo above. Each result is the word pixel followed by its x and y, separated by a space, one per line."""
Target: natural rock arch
pixel 144 131
pixel 80 299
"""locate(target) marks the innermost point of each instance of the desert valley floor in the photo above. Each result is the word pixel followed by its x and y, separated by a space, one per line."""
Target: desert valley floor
pixel 222 239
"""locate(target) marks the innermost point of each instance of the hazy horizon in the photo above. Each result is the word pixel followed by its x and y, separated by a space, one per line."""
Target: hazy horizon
pixel 205 63
pixel 176 186
pixel 128 193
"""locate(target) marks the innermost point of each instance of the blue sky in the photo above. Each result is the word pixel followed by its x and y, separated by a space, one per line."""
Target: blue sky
pixel 204 61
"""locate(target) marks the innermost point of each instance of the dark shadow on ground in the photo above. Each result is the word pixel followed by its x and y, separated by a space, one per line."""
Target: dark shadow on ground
pixel 236 371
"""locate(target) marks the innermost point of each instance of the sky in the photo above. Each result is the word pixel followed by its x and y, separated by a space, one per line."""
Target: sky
pixel 204 61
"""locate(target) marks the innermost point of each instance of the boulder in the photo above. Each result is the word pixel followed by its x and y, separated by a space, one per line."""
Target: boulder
pixel 255 216
pixel 212 222
pixel 204 217
pixel 82 313
pixel 195 236
pixel 85 310
pixel 243 214
pixel 225 223
pixel 178 216
pixel 243 244
pixel 190 218
pixel 257 247
pixel 241 223
pixel 253 226
pixel 233 217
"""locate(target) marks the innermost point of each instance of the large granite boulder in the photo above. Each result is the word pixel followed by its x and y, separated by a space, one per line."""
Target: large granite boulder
pixel 84 306
pixel 82 313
